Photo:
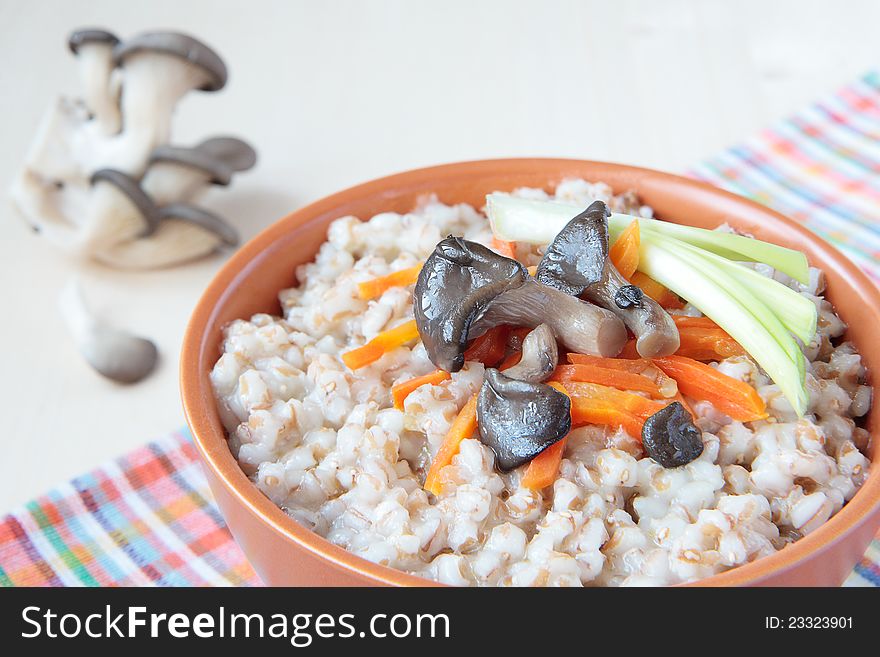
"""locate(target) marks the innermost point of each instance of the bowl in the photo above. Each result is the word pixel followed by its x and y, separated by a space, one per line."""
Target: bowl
pixel 285 553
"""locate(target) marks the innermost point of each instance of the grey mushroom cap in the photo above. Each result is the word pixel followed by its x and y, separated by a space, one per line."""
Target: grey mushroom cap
pixel 132 189
pixel 120 356
pixel 179 45
pixel 576 257
pixel 90 35
pixel 201 217
pixel 235 153
pixel 217 170
pixel 671 438
pixel 519 420
pixel 540 355
pixel 455 286
pixel 218 157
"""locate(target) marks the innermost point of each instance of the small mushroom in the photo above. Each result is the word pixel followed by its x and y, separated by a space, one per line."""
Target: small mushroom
pixel 185 232
pixel 464 289
pixel 518 420
pixel 539 356
pixel 113 353
pixel 176 173
pixel 670 437
pixel 577 263
pixel 94 52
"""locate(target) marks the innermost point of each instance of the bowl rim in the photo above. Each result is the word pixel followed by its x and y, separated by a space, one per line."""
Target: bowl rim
pixel 217 457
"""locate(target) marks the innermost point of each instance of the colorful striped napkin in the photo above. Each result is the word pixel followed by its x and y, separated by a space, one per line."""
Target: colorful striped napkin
pixel 148 518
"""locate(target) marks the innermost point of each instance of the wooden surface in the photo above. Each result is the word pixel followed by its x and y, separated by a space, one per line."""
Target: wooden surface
pixel 334 93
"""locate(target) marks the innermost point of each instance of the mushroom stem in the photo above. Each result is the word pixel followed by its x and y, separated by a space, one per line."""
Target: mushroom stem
pixel 540 355
pixel 115 354
pixel 580 326
pixel 94 53
pixel 656 333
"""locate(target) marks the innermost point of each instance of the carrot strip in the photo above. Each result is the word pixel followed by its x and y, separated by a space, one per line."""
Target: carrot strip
pixel 400 391
pixel 666 385
pixel 464 426
pixel 380 345
pixel 686 321
pixel 542 470
pixel 707 344
pixel 591 411
pixel 624 253
pixel 629 351
pixel 639 406
pixel 490 347
pixel 504 247
pixel 636 366
pixel 376 287
pixel 731 396
pixel 606 376
pixel 656 291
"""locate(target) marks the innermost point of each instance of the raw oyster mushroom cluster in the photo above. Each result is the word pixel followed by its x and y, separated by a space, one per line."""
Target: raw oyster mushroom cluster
pixel 101 180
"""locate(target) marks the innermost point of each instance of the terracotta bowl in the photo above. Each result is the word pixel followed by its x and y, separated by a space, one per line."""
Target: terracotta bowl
pixel 285 553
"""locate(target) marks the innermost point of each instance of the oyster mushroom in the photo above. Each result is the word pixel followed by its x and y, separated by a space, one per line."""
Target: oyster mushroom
pixel 185 232
pixel 113 353
pixel 176 173
pixel 94 53
pixel 152 72
pixel 577 262
pixel 518 420
pixel 540 356
pixel 464 289
pixel 670 437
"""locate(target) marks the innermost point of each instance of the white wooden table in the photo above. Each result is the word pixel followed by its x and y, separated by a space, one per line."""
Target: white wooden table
pixel 334 93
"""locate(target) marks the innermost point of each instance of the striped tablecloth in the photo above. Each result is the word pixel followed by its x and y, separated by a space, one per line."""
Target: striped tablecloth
pixel 148 518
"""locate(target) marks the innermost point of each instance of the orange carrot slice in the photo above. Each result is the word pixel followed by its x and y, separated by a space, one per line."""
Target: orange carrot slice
pixel 686 321
pixel 375 287
pixel 380 345
pixel 585 410
pixel 731 396
pixel 489 348
pixel 606 376
pixel 504 247
pixel 707 344
pixel 464 426
pixel 641 407
pixel 400 391
pixel 543 469
pixel 624 253
pixel 666 385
